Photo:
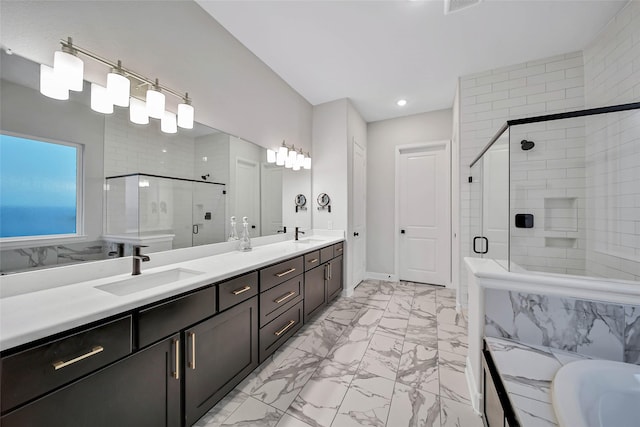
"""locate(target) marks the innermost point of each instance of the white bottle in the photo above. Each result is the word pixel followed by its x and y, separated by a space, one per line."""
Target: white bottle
pixel 245 240
pixel 233 234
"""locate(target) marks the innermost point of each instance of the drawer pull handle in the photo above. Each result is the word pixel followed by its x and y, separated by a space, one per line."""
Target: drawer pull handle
pixel 176 374
pixel 284 297
pixel 192 363
pixel 241 290
pixel 284 273
pixel 95 350
pixel 283 330
pixel 339 250
pixel 313 261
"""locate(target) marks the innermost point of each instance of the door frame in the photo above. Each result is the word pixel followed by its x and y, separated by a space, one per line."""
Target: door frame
pixel 398 150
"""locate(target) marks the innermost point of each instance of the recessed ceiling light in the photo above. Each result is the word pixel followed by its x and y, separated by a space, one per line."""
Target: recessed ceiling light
pixel 401 102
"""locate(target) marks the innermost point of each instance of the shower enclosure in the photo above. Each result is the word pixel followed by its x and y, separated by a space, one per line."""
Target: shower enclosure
pixel 164 212
pixel 561 194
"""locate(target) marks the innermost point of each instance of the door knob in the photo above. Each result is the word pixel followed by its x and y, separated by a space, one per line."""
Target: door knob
pixel 401 231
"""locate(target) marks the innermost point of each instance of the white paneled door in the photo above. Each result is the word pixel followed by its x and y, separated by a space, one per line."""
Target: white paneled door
pixel 247 195
pixel 423 212
pixel 358 219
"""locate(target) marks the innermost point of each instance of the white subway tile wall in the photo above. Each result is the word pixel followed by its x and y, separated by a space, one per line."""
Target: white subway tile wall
pixel 612 76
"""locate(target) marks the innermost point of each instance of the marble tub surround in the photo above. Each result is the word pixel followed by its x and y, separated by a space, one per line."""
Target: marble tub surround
pixel 375 358
pixel 597 329
pixel 526 372
pixel 37 304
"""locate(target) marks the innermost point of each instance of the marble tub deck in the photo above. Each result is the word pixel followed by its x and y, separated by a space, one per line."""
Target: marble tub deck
pixel 526 372
pixel 392 354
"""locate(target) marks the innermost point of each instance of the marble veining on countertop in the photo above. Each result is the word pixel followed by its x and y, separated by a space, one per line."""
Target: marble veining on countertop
pixel 526 372
pixel 29 316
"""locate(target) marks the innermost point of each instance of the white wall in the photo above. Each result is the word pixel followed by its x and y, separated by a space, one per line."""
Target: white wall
pixel 383 136
pixel 294 183
pixel 455 193
pixel 612 76
pixel 177 42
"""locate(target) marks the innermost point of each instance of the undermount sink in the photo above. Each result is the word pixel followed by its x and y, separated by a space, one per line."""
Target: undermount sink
pixel 597 393
pixel 308 241
pixel 144 281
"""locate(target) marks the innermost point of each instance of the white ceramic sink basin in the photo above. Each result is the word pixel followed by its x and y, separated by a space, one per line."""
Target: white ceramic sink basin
pixel 597 393
pixel 308 241
pixel 144 281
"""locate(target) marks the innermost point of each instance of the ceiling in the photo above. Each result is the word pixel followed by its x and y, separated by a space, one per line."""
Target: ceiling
pixel 376 52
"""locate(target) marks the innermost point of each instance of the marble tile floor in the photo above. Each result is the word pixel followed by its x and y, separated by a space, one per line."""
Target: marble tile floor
pixel 392 354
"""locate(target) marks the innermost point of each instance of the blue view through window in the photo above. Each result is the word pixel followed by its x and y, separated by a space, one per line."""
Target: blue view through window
pixel 38 187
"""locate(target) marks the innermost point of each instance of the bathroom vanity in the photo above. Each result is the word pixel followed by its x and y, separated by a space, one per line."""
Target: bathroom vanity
pixel 166 354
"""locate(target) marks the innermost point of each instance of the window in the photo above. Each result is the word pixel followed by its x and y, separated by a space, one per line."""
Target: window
pixel 40 188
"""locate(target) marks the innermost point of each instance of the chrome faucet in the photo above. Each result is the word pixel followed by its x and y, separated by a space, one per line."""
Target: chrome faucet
pixel 138 258
pixel 298 231
pixel 119 252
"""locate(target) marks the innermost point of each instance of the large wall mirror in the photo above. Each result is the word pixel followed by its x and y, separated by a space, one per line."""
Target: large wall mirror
pixel 140 185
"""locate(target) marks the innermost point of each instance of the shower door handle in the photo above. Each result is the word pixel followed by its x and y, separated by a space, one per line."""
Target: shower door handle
pixel 196 229
pixel 486 245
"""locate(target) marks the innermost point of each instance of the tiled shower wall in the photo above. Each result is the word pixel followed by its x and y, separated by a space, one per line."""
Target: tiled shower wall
pixel 489 99
pixel 612 76
pixel 597 329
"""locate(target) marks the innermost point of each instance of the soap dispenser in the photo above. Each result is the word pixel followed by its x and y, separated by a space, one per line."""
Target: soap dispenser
pixel 233 234
pixel 245 240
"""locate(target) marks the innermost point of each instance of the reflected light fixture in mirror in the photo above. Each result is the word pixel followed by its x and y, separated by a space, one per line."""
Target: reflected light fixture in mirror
pixel 138 112
pixel 118 86
pixel 185 113
pixel 50 86
pixel 155 101
pixel 168 123
pixel 69 69
pixel 100 99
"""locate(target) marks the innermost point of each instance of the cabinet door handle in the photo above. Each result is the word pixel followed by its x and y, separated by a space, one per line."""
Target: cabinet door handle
pixel 326 272
pixel 330 270
pixel 176 374
pixel 339 250
pixel 192 362
pixel 313 261
pixel 284 273
pixel 241 290
pixel 61 364
pixel 284 297
pixel 283 330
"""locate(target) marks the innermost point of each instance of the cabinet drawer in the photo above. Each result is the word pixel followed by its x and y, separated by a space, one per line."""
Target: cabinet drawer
pixel 162 320
pixel 338 249
pixel 38 370
pixel 276 274
pixel 278 299
pixel 237 290
pixel 311 260
pixel 276 333
pixel 326 254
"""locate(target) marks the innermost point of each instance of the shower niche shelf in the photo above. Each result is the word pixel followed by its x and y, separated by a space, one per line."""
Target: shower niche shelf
pixel 560 242
pixel 560 214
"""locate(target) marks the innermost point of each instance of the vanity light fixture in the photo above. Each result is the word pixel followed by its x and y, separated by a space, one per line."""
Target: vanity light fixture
pixel 68 74
pixel 68 68
pixel 185 113
pixel 289 157
pixel 118 86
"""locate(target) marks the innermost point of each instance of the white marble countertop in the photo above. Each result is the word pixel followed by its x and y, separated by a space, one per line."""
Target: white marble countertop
pixel 43 310
pixel 526 372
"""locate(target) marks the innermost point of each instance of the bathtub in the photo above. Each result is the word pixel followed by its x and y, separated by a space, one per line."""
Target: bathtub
pixel 597 393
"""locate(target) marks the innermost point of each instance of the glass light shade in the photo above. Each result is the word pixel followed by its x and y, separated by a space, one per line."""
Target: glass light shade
pixel 288 163
pixel 300 159
pixel 185 116
pixel 283 151
pixel 296 166
pixel 69 69
pixel 155 104
pixel 271 156
pixel 119 88
pixel 280 159
pixel 138 112
pixel 50 86
pixel 100 100
pixel 168 123
pixel 293 156
pixel 307 163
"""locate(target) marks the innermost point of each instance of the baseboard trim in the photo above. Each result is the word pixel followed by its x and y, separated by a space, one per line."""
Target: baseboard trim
pixel 476 397
pixel 381 276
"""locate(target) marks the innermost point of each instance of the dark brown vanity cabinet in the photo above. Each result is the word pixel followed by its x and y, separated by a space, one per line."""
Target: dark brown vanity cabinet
pixel 497 410
pixel 218 353
pixel 325 282
pixel 334 278
pixel 140 390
